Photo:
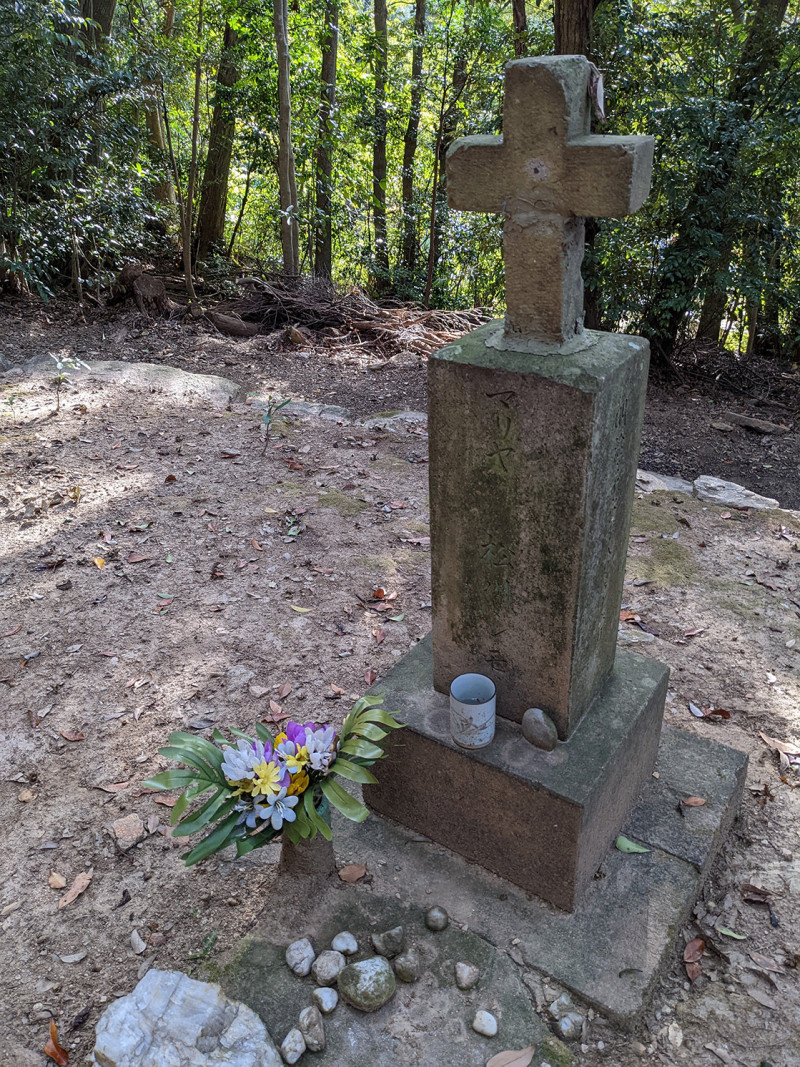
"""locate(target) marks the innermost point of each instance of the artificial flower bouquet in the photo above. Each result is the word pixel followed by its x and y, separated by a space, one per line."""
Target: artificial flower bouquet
pixel 264 786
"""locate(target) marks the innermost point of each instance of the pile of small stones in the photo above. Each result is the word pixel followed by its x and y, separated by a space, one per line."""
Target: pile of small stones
pixel 365 984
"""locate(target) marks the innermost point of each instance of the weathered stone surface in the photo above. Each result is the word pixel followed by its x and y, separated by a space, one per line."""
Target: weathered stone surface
pixel 436 918
pixel 325 998
pixel 390 942
pixel 646 482
pixel 529 515
pixel 345 943
pixel 485 1023
pixel 293 1046
pixel 312 1028
pixel 546 819
pixel 570 1026
pixel 327 966
pixel 539 729
pixel 128 831
pixel 300 956
pixel 368 984
pixel 544 174
pixel 175 1020
pixel 729 493
pixel 561 1006
pixel 408 967
pixel 467 975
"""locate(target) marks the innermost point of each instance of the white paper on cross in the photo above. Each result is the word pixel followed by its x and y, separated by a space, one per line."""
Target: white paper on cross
pixel 545 175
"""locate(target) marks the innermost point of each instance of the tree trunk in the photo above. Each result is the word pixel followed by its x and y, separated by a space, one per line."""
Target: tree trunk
pixel 381 272
pixel 287 179
pixel 409 250
pixel 323 232
pixel 520 28
pixel 686 259
pixel 163 189
pixel 101 12
pixel 572 23
pixel 214 192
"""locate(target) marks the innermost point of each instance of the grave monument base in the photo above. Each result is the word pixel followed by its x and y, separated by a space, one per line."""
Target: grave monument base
pixel 543 820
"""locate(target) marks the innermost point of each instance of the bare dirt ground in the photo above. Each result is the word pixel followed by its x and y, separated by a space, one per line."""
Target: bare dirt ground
pixel 158 572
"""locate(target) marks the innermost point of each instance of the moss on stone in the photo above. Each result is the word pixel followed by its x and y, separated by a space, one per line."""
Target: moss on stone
pixel 346 505
pixel 669 563
pixel 556 1053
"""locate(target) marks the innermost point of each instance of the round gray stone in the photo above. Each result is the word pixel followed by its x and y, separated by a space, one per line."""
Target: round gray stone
pixel 561 1006
pixel 484 1023
pixel 467 975
pixel 299 956
pixel 539 729
pixel 293 1046
pixel 408 967
pixel 368 984
pixel 346 943
pixel 312 1028
pixel 570 1026
pixel 326 967
pixel 436 918
pixel 325 998
pixel 390 943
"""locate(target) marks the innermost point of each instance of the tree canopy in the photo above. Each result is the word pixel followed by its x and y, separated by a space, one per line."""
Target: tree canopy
pixel 310 136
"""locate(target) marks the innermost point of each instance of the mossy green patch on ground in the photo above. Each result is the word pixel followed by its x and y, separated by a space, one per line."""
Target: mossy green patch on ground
pixel 377 564
pixel 651 515
pixel 346 505
pixel 668 563
pixel 556 1053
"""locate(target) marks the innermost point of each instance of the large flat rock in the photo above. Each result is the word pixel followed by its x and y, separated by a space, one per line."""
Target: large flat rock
pixel 149 377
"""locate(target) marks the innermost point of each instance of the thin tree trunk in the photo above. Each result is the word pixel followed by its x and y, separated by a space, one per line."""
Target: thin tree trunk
pixel 163 189
pixel 685 260
pixel 520 28
pixel 287 179
pixel 242 206
pixel 214 191
pixel 381 273
pixel 323 227
pixel 188 212
pixel 409 250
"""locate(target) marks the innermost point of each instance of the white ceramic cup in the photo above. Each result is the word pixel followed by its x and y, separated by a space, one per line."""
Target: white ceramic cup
pixel 472 710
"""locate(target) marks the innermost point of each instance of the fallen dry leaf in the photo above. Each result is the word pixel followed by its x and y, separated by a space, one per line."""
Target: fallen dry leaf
pixel 10 633
pixel 370 676
pixel 379 636
pixel 285 690
pixel 114 787
pixel 766 963
pixel 70 735
pixel 56 880
pixel 337 690
pixel 99 562
pixel 760 997
pixel 694 950
pixel 79 886
pixel 25 796
pixel 352 872
pixel 693 971
pixel 628 616
pixel 53 1049
pixel 519 1058
pixel 135 557
pixel 168 802
pixel 274 707
pixel 694 633
pixel 693 802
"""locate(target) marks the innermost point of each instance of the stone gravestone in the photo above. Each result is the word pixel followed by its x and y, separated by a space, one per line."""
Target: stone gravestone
pixel 534 430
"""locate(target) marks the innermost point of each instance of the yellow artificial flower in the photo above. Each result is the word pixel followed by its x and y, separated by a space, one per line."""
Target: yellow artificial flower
pixel 279 738
pixel 299 784
pixel 267 778
pixel 298 761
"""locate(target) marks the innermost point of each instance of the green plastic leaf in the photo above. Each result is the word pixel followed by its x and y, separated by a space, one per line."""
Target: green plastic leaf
pixel 180 806
pixel 353 772
pixel 624 844
pixel 182 756
pixel 171 779
pixel 314 817
pixel 213 842
pixel 216 807
pixel 341 800
pixel 240 734
pixel 731 933
pixel 198 746
pixel 356 747
pixel 264 734
pixel 370 731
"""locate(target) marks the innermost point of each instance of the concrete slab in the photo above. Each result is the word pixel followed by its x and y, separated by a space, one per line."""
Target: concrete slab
pixel 610 950
pixel 425 1023
pixel 543 820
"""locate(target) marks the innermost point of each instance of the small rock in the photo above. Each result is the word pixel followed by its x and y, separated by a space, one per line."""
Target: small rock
pixel 368 984
pixel 312 1028
pixel 484 1023
pixel 293 1046
pixel 128 831
pixel 436 919
pixel 75 957
pixel 561 1006
pixel 539 729
pixel 299 956
pixel 570 1026
pixel 326 967
pixel 137 943
pixel 346 943
pixel 325 998
pixel 467 975
pixel 390 942
pixel 408 967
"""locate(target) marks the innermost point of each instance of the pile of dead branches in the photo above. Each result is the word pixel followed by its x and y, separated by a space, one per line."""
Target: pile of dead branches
pixel 345 316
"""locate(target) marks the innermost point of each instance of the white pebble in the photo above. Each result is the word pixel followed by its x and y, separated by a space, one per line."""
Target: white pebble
pixel 293 1046
pixel 327 967
pixel 325 998
pixel 299 956
pixel 345 942
pixel 484 1023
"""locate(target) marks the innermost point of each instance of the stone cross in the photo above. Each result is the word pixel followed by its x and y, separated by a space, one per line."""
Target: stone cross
pixel 545 175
